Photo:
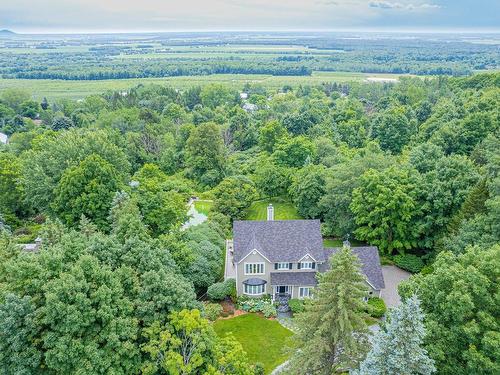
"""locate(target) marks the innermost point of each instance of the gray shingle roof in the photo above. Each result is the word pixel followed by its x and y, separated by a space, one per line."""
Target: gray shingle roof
pixel 370 263
pixel 279 240
pixel 293 278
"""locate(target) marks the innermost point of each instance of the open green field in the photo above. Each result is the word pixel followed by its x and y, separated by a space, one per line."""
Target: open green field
pixel 283 210
pixel 57 89
pixel 203 207
pixel 262 339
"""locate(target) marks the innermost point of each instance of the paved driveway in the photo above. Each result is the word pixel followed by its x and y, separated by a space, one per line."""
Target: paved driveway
pixel 392 277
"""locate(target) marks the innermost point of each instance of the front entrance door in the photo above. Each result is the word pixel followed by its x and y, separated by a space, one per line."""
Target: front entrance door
pixel 283 289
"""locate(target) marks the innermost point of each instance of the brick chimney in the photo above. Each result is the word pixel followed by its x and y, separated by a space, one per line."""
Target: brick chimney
pixel 270 213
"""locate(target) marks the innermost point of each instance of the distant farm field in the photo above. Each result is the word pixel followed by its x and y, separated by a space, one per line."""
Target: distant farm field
pixel 57 89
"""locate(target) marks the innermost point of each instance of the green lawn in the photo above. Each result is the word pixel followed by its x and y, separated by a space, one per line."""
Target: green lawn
pixel 263 340
pixel 283 210
pixel 332 242
pixel 335 242
pixel 203 207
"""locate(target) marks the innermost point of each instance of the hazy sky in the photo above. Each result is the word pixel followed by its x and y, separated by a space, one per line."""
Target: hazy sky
pixel 159 15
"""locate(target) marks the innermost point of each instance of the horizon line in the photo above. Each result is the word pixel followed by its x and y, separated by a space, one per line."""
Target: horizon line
pixel 339 30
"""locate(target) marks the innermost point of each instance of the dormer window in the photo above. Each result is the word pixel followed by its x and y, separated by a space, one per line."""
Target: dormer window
pixel 307 265
pixel 282 266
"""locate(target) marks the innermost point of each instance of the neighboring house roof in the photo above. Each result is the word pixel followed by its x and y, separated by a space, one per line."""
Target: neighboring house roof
pixel 4 138
pixel 293 278
pixel 370 264
pixel 250 107
pixel 278 240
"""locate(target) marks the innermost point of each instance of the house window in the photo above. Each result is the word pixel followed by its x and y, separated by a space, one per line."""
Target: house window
pixel 307 265
pixel 254 268
pixel 305 292
pixel 282 266
pixel 254 290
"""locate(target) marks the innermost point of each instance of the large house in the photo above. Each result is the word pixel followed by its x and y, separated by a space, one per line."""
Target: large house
pixel 282 257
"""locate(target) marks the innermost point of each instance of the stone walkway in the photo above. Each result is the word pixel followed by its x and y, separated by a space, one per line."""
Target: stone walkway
pixel 392 277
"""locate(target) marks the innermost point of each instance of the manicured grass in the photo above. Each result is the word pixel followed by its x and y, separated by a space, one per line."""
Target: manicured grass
pixel 335 242
pixel 332 242
pixel 203 207
pixel 283 210
pixel 262 339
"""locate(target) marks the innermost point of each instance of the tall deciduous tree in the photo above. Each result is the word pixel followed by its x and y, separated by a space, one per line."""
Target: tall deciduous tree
pixel 234 195
pixel 271 180
pixel 87 189
pixel 88 319
pixel 271 134
pixel 10 191
pixel 43 165
pixel 460 302
pixel 294 152
pixel 385 209
pixel 18 330
pixel 393 129
pixel 308 187
pixel 332 335
pixel 189 345
pixel 342 179
pixel 397 347
pixel 205 153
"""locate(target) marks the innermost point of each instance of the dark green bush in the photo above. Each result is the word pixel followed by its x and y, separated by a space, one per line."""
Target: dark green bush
pixel 296 305
pixel 219 291
pixel 377 307
pixel 258 369
pixel 409 262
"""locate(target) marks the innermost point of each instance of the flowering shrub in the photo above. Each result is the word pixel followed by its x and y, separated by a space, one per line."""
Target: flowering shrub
pixel 264 305
pixel 269 310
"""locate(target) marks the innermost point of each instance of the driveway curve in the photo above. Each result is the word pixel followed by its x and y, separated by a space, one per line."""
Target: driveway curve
pixel 392 277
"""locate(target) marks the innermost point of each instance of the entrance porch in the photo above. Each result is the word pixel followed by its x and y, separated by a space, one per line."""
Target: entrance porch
pixel 281 295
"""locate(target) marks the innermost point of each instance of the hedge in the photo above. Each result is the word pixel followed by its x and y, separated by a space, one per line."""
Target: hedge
pixel 409 262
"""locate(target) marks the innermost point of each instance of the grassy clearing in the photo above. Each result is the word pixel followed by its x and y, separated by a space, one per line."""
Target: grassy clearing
pixel 283 210
pixel 264 340
pixel 203 207
pixel 335 242
pixel 57 89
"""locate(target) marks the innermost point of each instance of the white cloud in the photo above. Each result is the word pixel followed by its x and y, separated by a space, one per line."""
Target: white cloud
pixel 397 5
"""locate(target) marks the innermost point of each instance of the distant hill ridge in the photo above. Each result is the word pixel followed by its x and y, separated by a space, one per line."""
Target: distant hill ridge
pixel 7 32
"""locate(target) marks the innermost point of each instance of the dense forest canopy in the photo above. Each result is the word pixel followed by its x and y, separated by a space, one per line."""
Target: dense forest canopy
pixel 410 167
